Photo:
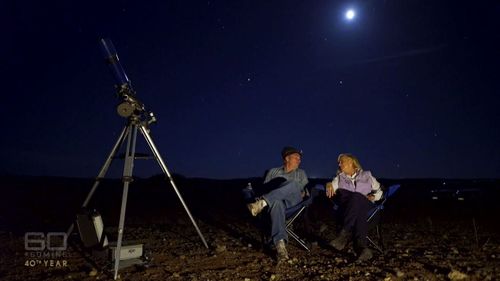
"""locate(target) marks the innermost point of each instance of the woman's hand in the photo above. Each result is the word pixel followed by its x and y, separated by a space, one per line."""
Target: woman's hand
pixel 329 190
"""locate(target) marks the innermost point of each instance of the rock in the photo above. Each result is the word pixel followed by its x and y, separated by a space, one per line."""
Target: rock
pixel 456 275
pixel 93 272
pixel 400 274
pixel 220 248
pixel 322 228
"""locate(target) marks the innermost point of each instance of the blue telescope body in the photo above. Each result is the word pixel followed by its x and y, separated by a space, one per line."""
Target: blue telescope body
pixel 130 105
pixel 111 57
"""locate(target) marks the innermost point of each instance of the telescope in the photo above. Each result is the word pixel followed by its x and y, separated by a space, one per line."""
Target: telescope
pixel 137 122
pixel 129 105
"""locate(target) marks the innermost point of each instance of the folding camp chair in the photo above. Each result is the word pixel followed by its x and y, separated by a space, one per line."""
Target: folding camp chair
pixel 374 217
pixel 291 214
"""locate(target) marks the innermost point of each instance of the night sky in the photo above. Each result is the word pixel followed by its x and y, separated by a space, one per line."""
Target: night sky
pixel 410 87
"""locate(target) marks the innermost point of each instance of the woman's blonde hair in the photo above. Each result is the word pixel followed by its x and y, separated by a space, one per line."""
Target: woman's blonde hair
pixel 355 161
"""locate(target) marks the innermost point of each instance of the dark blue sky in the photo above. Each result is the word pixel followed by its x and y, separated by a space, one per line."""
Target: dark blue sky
pixel 410 87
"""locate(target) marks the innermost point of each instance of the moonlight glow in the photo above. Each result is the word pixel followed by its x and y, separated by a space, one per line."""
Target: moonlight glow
pixel 350 14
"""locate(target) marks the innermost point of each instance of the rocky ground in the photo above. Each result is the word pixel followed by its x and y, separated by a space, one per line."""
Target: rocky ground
pixel 421 243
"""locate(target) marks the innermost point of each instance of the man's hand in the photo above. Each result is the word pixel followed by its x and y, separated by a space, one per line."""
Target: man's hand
pixel 329 190
pixel 370 197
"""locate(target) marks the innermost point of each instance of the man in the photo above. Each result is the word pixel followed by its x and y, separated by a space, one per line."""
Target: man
pixel 288 194
pixel 355 189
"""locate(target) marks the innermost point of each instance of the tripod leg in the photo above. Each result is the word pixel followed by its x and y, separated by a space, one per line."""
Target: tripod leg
pixel 164 168
pixel 127 178
pixel 102 172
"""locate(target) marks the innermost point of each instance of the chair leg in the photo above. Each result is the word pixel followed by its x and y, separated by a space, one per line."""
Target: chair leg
pixel 262 225
pixel 297 238
pixel 294 217
pixel 292 234
pixel 374 244
pixel 380 246
pixel 381 238
pixel 263 239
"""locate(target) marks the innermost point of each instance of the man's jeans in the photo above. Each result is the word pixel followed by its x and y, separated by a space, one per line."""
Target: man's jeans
pixel 287 195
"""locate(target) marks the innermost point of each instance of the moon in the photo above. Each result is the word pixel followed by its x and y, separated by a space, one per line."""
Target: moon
pixel 350 14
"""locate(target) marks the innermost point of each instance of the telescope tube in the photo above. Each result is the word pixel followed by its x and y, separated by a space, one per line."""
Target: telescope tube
pixel 113 61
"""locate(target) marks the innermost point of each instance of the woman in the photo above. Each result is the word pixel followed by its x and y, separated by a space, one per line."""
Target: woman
pixel 354 190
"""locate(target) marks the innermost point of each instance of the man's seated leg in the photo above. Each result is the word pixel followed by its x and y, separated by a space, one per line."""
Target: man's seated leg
pixel 289 192
pixel 278 229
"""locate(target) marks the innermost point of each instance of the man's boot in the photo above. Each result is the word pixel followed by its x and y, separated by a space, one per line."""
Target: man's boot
pixel 256 207
pixel 281 251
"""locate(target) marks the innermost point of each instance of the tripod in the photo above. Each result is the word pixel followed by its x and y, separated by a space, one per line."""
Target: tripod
pixel 129 133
